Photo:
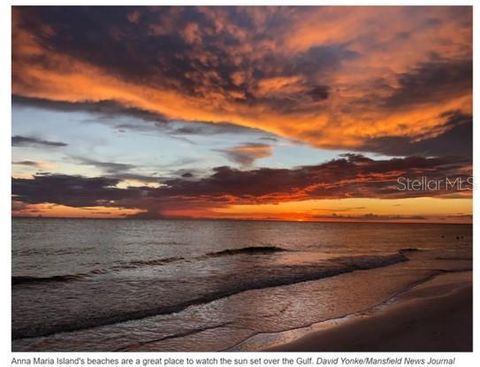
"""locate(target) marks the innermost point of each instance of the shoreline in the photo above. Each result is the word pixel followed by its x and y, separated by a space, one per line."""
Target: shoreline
pixel 434 316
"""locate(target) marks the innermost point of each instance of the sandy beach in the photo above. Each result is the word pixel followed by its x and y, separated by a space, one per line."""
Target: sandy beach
pixel 434 316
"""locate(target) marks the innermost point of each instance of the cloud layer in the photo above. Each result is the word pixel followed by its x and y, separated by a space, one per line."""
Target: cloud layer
pixel 308 73
pixel 260 87
pixel 26 141
pixel 351 176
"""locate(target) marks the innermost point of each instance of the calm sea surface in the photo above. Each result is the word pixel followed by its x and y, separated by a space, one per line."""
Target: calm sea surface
pixel 182 285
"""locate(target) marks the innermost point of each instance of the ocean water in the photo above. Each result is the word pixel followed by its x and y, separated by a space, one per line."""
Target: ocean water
pixel 199 285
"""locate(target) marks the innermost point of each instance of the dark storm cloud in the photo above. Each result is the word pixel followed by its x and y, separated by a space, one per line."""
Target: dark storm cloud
pixel 106 36
pixel 305 73
pixel 320 92
pixel 432 81
pixel 26 141
pixel 194 50
pixel 351 176
pixel 455 140
pixel 347 177
pixel 75 191
pixel 323 58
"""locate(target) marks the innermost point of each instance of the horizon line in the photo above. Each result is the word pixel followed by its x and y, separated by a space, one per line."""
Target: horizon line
pixel 243 220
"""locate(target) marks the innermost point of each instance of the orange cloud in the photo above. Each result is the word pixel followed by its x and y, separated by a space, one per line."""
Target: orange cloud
pixel 20 209
pixel 332 72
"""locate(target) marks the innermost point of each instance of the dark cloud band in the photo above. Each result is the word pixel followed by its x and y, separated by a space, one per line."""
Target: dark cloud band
pixel 347 177
pixel 25 141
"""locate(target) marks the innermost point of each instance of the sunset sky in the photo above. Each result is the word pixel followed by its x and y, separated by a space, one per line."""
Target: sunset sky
pixel 281 113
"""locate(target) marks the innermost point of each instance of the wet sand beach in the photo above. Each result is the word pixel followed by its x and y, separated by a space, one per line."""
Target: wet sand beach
pixel 434 316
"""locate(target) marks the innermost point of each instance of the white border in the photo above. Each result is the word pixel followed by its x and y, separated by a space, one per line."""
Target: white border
pixel 5 179
pixel 462 359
